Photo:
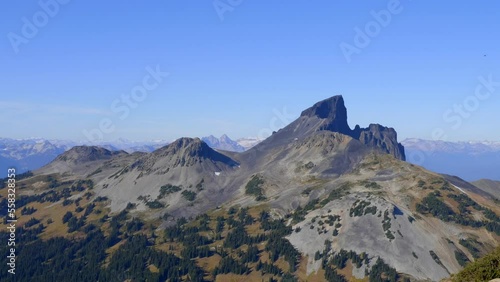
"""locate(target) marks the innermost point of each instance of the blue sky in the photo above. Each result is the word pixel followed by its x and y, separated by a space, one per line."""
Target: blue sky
pixel 231 71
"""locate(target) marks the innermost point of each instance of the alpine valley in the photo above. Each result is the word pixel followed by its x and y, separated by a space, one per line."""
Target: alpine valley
pixel 316 201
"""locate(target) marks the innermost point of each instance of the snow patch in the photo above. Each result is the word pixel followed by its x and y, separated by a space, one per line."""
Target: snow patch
pixel 460 189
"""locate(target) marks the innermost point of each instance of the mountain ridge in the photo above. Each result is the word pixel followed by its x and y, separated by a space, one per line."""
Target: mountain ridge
pixel 489 186
pixel 334 115
pixel 317 118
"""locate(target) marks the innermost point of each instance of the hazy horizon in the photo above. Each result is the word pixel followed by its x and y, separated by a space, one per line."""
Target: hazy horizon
pixel 83 140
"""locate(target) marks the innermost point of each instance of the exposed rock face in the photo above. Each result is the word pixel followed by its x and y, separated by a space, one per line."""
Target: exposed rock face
pixel 333 114
pixel 333 111
pixel 192 150
pixel 184 152
pixel 84 160
pixel 188 163
pixel 382 137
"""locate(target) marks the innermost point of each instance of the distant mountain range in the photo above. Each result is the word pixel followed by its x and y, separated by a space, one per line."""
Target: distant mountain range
pixel 223 143
pixel 469 160
pixel 33 153
pixel 248 143
pixel 27 154
pixel 227 144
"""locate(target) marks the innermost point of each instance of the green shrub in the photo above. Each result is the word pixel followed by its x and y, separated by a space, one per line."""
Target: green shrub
pixel 155 204
pixel 254 187
pixel 462 259
pixel 168 189
pixel 189 195
pixel 484 269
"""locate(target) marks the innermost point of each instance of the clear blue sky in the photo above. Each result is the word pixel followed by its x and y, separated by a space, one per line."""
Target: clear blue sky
pixel 229 75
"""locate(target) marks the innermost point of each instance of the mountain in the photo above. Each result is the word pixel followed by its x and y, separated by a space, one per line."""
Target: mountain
pixel 249 142
pixel 311 136
pixel 471 147
pixel 81 161
pixel 317 200
pixel 186 162
pixel 32 154
pixel 27 154
pixel 130 146
pixel 491 187
pixel 330 115
pixel 223 143
pixel 469 160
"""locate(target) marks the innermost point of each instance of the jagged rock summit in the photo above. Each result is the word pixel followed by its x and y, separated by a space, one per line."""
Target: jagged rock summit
pixel 333 115
pixel 333 111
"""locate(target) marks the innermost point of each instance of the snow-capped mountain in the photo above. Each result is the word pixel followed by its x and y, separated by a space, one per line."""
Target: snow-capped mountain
pixel 468 147
pixel 130 146
pixel 27 154
pixel 248 143
pixel 471 160
pixel 227 144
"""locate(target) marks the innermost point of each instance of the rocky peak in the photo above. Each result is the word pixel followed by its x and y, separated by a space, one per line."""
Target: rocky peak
pixel 210 139
pixel 189 146
pixel 80 154
pixel 333 111
pixel 225 138
pixel 385 138
pixel 332 114
pixel 191 150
